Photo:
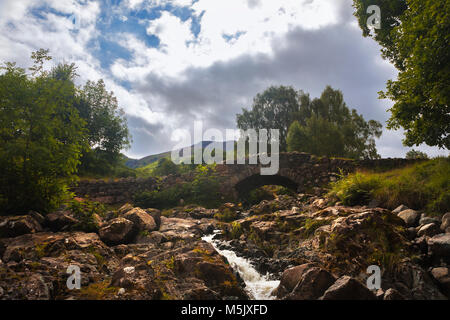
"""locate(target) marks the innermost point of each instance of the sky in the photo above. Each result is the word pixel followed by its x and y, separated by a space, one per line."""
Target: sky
pixel 173 62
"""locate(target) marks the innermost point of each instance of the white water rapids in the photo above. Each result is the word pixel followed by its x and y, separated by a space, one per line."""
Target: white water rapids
pixel 258 286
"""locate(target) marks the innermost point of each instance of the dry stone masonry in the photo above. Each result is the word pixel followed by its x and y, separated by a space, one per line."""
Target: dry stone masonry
pixel 300 172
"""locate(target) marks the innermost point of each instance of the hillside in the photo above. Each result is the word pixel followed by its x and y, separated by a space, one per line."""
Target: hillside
pixel 148 160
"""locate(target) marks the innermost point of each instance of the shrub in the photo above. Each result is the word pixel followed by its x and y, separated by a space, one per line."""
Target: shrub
pixel 203 190
pixel 164 167
pixel 84 212
pixel 355 189
pixel 415 154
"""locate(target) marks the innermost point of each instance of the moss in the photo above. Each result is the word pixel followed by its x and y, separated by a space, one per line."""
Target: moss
pixel 167 213
pixel 205 254
pixel 144 233
pixel 373 243
pixel 311 225
pixel 166 296
pixel 101 261
pixel 230 287
pixel 98 291
pixel 226 215
pixel 41 249
pixel 170 263
pixel 236 230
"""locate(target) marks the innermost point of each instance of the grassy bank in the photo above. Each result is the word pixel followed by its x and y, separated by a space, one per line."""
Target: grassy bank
pixel 423 186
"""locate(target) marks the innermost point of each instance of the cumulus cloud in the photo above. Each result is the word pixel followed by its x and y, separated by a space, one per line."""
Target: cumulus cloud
pixel 306 59
pixel 210 58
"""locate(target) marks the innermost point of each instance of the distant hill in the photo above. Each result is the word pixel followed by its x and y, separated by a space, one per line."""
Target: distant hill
pixel 139 163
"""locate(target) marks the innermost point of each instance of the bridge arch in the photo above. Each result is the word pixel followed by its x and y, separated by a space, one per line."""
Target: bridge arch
pixel 255 181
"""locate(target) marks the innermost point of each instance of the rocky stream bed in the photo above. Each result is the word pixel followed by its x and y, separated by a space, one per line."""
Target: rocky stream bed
pixel 287 248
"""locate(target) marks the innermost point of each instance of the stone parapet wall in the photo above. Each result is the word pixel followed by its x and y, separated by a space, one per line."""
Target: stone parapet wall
pixel 301 171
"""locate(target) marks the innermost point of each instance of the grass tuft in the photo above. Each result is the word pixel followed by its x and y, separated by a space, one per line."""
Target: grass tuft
pixel 423 186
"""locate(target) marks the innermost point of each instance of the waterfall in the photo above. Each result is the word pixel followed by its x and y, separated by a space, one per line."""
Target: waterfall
pixel 258 286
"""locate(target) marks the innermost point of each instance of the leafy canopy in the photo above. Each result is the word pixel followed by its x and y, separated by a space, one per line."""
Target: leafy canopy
pixel 41 137
pixel 48 126
pixel 107 128
pixel 325 126
pixel 414 37
pixel 322 126
pixel 272 109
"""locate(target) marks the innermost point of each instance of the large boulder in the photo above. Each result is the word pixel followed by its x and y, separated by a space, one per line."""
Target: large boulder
pixel 348 288
pixel 445 225
pixel 33 247
pixel 411 217
pixel 290 278
pixel 18 225
pixel 442 276
pixel 413 282
pixel 117 231
pixel 156 215
pixel 141 219
pixel 312 285
pixel 61 220
pixel 439 245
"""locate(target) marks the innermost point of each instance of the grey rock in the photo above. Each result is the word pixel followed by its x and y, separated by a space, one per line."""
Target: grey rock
pixel 426 220
pixel 117 231
pixel 442 276
pixel 141 219
pixel 312 285
pixel 439 245
pixel 430 230
pixel 348 288
pixel 290 278
pixel 18 225
pixel 61 220
pixel 445 222
pixel 411 217
pixel 399 209
pixel 415 283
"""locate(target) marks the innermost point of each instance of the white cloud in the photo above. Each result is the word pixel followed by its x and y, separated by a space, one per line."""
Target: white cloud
pixel 240 45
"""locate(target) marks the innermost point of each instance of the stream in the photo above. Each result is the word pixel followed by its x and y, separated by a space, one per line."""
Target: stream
pixel 258 286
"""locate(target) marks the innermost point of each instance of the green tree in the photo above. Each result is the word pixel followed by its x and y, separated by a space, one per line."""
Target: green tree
pixel 165 167
pixel 325 126
pixel 415 154
pixel 414 37
pixel 107 128
pixel 41 137
pixel 272 109
pixel 296 137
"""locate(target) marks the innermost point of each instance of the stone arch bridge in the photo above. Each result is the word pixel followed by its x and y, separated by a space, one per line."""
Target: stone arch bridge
pixel 300 172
